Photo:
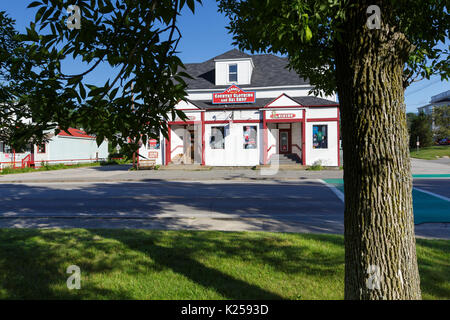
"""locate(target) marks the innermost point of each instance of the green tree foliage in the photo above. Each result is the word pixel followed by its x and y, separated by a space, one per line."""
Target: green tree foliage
pixel 138 39
pixel 441 119
pixel 27 110
pixel 421 129
pixel 308 31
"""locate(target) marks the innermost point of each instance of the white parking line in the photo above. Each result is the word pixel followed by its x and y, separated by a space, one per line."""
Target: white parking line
pixel 336 191
pixel 432 194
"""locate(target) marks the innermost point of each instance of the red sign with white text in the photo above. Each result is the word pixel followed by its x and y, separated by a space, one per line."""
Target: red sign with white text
pixel 233 94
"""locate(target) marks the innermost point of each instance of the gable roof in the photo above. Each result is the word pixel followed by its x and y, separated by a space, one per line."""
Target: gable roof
pixel 269 71
pixel 77 133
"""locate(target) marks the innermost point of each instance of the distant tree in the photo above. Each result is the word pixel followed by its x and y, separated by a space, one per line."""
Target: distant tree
pixel 441 119
pixel 421 128
pixel 368 51
pixel 410 116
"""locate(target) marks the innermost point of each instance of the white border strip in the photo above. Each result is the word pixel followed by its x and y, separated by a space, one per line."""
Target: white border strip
pixel 336 191
pixel 433 194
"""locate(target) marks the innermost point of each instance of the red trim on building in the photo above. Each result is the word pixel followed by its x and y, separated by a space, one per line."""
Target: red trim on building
pixel 322 119
pixel 232 108
pixel 228 121
pixel 338 138
pixel 246 121
pixel 284 120
pixel 304 138
pixel 265 138
pixel 203 138
pixel 183 123
pixel 217 122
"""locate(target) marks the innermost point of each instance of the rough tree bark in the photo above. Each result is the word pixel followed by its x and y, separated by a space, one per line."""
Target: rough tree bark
pixel 380 250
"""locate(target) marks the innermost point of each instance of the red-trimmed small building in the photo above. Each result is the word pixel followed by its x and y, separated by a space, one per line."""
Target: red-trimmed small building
pixel 246 110
pixel 74 146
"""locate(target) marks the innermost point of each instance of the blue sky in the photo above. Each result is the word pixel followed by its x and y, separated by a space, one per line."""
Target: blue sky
pixel 205 36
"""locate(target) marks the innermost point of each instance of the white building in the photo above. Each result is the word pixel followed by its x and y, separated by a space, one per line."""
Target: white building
pixel 70 147
pixel 439 100
pixel 246 110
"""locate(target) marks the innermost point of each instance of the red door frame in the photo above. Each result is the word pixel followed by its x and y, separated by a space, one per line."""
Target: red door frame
pixel 289 150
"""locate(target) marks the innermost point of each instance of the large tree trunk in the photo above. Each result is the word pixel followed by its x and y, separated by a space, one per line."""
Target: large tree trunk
pixel 380 252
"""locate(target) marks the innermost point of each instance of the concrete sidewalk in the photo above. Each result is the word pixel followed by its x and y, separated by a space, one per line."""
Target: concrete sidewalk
pixel 424 231
pixel 117 173
pixel 440 166
pixel 122 173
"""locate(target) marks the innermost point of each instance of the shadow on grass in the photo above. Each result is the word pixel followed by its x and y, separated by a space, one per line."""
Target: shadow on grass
pixel 33 266
pixel 33 263
pixel 434 268
pixel 183 251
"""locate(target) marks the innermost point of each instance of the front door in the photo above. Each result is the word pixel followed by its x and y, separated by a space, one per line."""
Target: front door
pixel 192 145
pixel 284 144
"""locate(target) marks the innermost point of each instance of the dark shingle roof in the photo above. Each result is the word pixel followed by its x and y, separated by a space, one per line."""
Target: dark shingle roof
pixel 310 101
pixel 262 102
pixel 269 71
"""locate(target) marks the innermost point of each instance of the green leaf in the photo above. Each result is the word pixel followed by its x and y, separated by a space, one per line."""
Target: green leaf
pixel 34 4
pixel 308 34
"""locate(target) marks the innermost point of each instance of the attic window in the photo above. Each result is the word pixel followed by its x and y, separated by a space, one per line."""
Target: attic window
pixel 232 73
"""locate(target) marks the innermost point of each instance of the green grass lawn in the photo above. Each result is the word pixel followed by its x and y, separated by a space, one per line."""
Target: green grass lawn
pixel 59 167
pixel 431 153
pixel 146 264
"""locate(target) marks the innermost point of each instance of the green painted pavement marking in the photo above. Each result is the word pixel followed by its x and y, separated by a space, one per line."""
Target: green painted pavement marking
pixel 334 181
pixel 427 208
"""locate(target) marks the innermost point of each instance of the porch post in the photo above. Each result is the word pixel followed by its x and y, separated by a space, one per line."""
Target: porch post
pixel 304 138
pixel 168 151
pixel 265 138
pixel 203 137
pixel 338 138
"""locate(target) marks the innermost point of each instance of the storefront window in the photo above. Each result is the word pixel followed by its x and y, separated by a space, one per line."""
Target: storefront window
pixel 320 137
pixel 232 73
pixel 217 140
pixel 250 137
pixel 153 144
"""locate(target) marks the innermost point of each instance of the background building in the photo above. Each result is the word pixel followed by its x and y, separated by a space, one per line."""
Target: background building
pixel 441 99
pixel 74 146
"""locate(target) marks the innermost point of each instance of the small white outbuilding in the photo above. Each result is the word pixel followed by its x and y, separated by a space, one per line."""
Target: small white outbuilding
pixel 71 147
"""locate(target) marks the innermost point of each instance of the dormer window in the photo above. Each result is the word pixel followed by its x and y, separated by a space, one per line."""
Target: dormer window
pixel 232 73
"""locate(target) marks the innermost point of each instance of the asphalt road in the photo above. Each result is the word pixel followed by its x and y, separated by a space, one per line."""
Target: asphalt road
pixel 307 205
pixel 437 186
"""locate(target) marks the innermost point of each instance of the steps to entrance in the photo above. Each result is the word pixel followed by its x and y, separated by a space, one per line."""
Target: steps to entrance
pixel 287 158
